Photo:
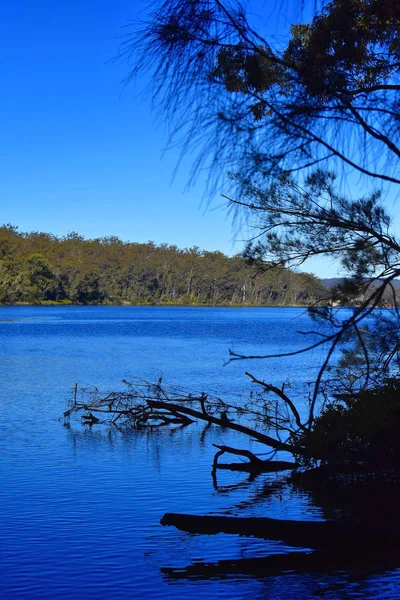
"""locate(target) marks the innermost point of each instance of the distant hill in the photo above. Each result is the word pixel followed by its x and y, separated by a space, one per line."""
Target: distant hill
pixel 330 282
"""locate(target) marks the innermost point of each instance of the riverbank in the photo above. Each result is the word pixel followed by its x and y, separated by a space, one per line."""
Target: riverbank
pixel 166 304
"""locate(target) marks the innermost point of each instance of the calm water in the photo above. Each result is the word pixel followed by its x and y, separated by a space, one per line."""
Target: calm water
pixel 80 508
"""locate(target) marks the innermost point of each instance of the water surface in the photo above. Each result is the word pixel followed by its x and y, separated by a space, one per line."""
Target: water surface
pixel 80 508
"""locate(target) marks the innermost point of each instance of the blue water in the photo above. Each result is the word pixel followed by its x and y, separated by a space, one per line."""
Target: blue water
pixel 80 508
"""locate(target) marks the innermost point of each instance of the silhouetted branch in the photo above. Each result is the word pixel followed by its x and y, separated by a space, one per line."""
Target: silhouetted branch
pixel 150 405
pixel 281 394
pixel 255 464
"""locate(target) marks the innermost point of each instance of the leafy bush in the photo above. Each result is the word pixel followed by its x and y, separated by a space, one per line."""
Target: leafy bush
pixel 362 428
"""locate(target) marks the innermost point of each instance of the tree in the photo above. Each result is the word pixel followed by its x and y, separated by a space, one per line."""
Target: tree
pixel 283 120
pixel 328 94
pixel 42 280
pixel 293 123
pixel 37 267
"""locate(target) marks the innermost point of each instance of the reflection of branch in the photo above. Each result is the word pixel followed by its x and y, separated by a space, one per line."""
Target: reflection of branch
pixel 278 564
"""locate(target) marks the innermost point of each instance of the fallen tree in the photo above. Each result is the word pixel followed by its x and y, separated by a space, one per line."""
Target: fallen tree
pixel 355 434
pixel 356 431
pixel 261 417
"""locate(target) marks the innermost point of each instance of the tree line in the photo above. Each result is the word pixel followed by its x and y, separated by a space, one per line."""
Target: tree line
pixel 41 268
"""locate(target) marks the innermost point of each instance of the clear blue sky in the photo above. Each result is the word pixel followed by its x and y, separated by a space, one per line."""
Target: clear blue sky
pixel 79 151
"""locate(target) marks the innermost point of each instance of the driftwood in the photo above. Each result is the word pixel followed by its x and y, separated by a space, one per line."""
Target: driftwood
pixel 254 464
pixel 324 535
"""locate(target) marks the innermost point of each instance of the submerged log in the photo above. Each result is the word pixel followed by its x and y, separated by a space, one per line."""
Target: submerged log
pixel 323 535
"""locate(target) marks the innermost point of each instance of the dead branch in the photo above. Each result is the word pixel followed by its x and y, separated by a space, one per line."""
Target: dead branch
pixel 255 464
pixel 151 405
pixel 268 387
pixel 224 422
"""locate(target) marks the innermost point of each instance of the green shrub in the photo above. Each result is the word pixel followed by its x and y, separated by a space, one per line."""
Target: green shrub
pixel 359 429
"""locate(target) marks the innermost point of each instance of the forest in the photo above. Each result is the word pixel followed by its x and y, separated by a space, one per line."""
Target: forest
pixel 40 268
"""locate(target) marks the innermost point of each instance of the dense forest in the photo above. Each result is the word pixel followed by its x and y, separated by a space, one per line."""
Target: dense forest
pixel 41 268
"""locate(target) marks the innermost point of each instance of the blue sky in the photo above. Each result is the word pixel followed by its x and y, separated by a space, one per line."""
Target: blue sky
pixel 81 152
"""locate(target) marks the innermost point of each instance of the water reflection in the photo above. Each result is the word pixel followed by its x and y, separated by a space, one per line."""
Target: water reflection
pixel 357 568
pixel 360 498
pixel 347 499
pixel 305 573
pixel 225 489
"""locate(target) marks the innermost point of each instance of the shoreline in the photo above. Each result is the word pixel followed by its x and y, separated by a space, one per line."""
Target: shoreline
pixel 156 305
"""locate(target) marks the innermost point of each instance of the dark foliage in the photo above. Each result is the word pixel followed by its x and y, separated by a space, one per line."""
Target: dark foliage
pixel 326 95
pixel 358 429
